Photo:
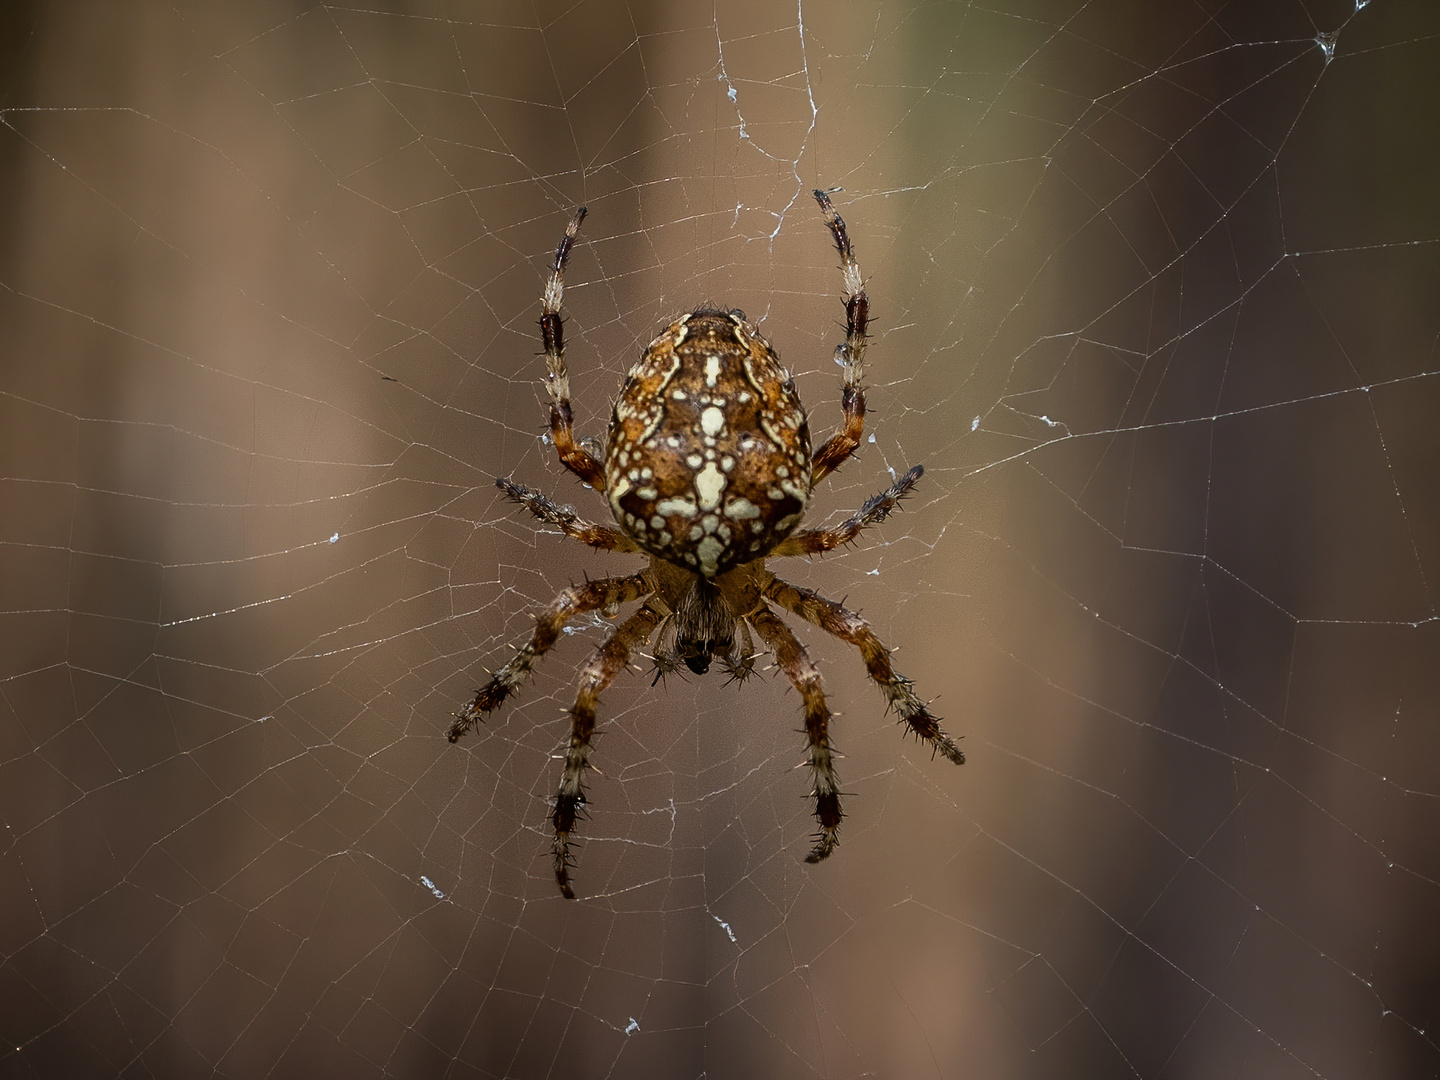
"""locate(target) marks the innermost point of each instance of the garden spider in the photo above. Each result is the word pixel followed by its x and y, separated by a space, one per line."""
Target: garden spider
pixel 707 470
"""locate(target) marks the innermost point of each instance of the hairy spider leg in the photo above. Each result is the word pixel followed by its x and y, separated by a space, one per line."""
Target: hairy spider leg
pixel 552 333
pixel 609 660
pixel 576 600
pixel 850 353
pixel 805 677
pixel 876 509
pixel 566 520
pixel 845 624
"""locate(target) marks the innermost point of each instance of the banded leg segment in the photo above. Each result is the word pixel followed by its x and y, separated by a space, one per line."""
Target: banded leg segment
pixel 899 691
pixel 851 353
pixel 804 676
pixel 557 380
pixel 566 520
pixel 576 600
pixel 609 660
pixel 876 509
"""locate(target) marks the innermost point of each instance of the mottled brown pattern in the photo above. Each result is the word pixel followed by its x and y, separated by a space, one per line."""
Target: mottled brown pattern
pixel 709 451
pixel 708 470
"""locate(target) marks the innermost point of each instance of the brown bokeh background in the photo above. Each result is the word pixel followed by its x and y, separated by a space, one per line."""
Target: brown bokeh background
pixel 1155 299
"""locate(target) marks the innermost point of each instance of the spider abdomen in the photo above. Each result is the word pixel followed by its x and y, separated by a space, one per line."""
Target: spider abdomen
pixel 708 459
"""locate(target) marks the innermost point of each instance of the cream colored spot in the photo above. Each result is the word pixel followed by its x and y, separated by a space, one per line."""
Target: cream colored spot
pixel 646 492
pixel 676 506
pixel 708 486
pixel 712 369
pixel 622 485
pixel 741 509
pixel 709 551
pixel 712 421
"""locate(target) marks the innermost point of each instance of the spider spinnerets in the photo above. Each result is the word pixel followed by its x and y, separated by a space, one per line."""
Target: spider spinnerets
pixel 708 469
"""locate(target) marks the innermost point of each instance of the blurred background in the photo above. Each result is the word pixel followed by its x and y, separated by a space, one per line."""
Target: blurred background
pixel 1154 292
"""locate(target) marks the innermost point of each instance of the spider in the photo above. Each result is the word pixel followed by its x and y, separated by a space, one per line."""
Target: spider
pixel 707 470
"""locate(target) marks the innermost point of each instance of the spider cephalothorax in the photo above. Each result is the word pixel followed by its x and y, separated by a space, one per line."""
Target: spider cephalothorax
pixel 708 470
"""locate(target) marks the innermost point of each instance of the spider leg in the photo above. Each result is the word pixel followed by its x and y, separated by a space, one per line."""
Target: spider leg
pixel 850 353
pixel 804 676
pixel 575 600
pixel 566 520
pixel 838 620
pixel 552 332
pixel 740 663
pixel 609 660
pixel 876 509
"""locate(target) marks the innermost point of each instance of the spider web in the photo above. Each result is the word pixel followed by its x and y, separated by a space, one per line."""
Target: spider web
pixel 1155 300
